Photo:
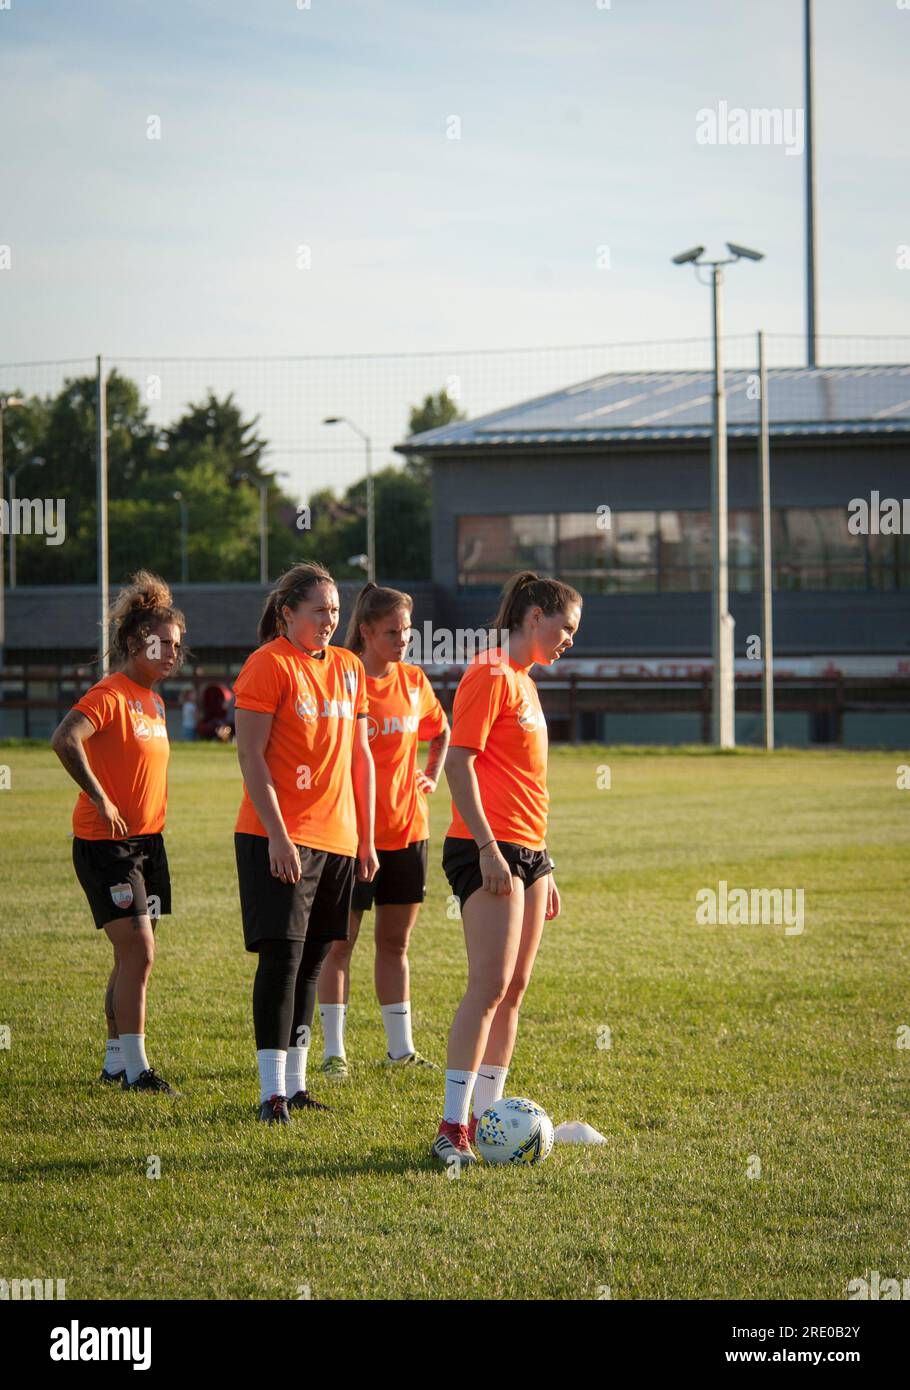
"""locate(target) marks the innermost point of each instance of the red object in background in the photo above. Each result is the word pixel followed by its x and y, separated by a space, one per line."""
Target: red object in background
pixel 215 700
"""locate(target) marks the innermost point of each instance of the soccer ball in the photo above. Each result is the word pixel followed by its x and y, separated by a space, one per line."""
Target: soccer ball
pixel 513 1130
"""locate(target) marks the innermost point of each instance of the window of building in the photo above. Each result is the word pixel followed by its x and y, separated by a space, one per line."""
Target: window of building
pixel 670 551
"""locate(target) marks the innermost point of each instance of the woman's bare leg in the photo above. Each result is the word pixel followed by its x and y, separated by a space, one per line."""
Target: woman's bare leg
pixel 501 1037
pixel 492 929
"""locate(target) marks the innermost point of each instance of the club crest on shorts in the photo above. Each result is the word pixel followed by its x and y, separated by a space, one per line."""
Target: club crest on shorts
pixel 122 894
pixel 350 682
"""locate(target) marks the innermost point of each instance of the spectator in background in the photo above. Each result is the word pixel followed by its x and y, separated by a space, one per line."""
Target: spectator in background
pixel 189 713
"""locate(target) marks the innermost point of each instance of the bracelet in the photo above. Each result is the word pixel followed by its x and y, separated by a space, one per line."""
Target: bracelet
pixel 489 842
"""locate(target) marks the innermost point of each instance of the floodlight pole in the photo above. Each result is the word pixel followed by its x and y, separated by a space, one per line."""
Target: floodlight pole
pixel 5 403
pixel 764 473
pixel 811 281
pixel 722 720
pixel 101 456
pixel 723 727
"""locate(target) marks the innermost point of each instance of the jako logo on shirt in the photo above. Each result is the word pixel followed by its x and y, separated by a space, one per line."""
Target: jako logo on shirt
pixel 350 681
pixel 407 724
pixel 413 694
pixel 307 708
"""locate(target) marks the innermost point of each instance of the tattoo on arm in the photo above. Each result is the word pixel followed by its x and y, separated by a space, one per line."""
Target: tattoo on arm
pixel 68 742
pixel 437 754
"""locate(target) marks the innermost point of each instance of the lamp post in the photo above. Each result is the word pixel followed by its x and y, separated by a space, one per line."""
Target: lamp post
pixel 184 537
pixel 5 403
pixel 263 486
pixel 38 463
pixel 723 732
pixel 371 508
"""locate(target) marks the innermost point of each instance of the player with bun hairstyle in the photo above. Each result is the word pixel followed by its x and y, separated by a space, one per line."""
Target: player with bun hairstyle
pixel 403 709
pixel 114 745
pixel 305 821
pixel 495 854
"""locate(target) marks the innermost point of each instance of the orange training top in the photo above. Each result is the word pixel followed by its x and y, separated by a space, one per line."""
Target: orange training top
pixel 315 702
pixel 403 710
pixel 497 711
pixel 128 754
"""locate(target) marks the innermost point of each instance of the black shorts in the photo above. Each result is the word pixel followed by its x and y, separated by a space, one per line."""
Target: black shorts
pixel 400 878
pixel 461 864
pixel 319 902
pixel 124 878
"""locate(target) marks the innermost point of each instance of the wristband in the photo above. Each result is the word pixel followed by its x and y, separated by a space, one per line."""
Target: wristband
pixel 489 842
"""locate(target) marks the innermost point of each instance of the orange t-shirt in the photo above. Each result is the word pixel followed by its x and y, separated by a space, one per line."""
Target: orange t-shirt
pixel 128 753
pixel 403 710
pixel 497 711
pixel 315 702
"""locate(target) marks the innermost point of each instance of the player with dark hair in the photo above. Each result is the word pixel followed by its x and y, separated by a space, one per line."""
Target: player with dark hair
pixel 495 854
pixel 305 821
pixel 403 709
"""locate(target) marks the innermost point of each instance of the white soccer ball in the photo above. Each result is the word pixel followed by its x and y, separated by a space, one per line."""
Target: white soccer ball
pixel 514 1130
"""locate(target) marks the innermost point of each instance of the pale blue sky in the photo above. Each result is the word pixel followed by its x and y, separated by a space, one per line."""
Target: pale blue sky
pixel 327 127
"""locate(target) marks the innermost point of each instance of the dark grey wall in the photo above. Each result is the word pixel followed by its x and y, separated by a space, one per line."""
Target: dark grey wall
pixel 61 622
pixel 664 476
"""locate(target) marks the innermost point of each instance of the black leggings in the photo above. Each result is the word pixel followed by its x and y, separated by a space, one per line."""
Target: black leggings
pixel 284 991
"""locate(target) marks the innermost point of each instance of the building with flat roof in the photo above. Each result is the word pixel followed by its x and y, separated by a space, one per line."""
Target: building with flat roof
pixel 607 485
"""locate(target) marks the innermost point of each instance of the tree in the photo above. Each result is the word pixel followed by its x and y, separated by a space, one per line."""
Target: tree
pixel 436 411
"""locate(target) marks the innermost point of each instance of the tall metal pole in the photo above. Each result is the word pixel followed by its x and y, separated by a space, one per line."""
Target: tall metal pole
pixel 2 579
pixel 811 325
pixel 12 528
pixel 764 474
pixel 722 728
pixel 371 515
pixel 101 456
pixel 263 533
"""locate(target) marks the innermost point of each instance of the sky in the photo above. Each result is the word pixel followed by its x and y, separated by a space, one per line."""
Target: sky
pixel 306 196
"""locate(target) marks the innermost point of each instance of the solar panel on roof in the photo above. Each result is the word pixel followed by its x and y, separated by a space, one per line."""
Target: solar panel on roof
pixel 657 404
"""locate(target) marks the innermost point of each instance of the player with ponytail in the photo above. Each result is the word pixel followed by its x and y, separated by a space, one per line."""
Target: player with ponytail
pixel 403 709
pixel 114 745
pixel 495 854
pixel 306 819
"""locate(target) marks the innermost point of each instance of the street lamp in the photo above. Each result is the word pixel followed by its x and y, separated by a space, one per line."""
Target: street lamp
pixel 723 732
pixel 263 486
pixel 184 537
pixel 5 403
pixel 38 463
pixel 371 509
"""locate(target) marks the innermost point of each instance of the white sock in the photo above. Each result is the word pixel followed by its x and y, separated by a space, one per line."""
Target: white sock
pixel 113 1057
pixel 490 1084
pixel 397 1020
pixel 333 1018
pixel 459 1085
pixel 271 1072
pixel 296 1070
pixel 134 1058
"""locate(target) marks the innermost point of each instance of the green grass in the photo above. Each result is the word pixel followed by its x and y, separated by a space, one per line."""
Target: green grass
pixel 727 1042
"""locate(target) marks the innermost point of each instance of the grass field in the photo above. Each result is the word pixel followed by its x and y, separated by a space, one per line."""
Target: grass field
pixel 728 1043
